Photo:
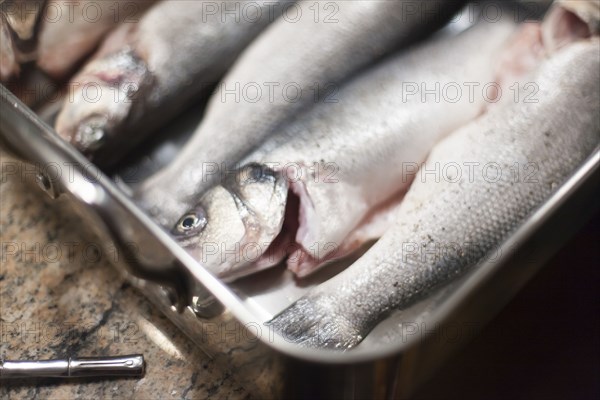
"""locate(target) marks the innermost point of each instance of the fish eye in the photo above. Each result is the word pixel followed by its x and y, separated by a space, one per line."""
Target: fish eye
pixel 190 223
pixel 257 173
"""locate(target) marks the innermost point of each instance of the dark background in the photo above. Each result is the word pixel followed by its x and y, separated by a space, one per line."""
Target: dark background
pixel 545 344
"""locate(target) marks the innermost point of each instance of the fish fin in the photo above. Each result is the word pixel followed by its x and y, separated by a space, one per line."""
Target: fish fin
pixel 309 324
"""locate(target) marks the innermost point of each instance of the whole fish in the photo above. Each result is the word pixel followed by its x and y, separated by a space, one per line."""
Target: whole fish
pixel 302 56
pixel 178 50
pixel 446 224
pixel 347 162
pixel 70 30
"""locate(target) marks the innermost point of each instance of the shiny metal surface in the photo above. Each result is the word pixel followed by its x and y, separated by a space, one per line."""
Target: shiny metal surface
pixel 399 354
pixel 61 170
pixel 130 365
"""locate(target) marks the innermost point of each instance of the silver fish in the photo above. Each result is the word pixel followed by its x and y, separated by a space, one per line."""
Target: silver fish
pixel 250 203
pixel 305 52
pixel 466 215
pixel 348 163
pixel 178 50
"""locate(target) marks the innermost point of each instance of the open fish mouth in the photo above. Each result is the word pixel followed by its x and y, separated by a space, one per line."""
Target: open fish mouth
pixel 285 245
pixel 292 244
pixel 298 241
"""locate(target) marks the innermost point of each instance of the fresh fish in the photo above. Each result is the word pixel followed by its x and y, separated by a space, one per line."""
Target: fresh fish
pixel 307 54
pixel 445 225
pixel 72 29
pixel 348 162
pixel 178 50
pixel 250 203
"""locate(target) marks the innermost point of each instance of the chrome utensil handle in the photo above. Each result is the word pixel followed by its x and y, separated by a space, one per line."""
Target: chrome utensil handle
pixel 130 365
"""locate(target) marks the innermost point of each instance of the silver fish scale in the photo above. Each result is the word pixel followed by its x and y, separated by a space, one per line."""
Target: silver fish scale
pixel 446 226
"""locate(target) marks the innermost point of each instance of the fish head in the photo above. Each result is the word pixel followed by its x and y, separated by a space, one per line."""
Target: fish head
pixel 233 224
pixel 101 99
pixel 88 118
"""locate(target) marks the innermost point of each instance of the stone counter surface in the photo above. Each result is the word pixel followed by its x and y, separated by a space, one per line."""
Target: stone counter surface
pixel 60 296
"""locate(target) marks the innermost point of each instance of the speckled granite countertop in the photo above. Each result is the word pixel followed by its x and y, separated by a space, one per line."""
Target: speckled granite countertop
pixel 60 296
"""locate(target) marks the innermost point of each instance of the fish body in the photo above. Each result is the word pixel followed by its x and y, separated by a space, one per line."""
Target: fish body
pixel 288 66
pixel 348 161
pixel 178 50
pixel 444 226
pixel 71 30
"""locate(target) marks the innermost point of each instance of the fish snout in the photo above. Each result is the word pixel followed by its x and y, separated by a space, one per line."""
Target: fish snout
pixel 90 135
pixel 88 126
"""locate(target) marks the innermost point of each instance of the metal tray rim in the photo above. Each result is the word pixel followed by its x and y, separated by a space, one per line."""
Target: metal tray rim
pixel 44 145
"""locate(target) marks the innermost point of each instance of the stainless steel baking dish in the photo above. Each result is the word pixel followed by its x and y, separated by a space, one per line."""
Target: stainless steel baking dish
pixel 227 320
